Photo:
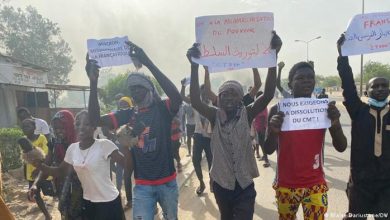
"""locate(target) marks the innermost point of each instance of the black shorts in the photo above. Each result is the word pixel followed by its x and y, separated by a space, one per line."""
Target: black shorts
pixel 104 210
pixel 190 129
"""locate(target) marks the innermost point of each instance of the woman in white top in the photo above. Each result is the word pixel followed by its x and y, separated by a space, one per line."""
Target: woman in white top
pixel 90 158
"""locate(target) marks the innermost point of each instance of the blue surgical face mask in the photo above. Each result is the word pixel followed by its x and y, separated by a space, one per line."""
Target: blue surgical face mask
pixel 376 103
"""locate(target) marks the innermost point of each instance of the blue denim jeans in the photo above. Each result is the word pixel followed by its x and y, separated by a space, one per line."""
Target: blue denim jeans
pixel 145 200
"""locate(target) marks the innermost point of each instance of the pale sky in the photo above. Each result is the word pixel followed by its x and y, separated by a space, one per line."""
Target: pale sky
pixel 165 29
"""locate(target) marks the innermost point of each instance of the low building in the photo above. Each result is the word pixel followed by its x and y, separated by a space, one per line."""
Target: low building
pixel 26 84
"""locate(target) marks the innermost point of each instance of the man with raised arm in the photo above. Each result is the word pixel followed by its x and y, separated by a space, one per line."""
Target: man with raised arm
pixel 369 184
pixel 154 170
pixel 234 165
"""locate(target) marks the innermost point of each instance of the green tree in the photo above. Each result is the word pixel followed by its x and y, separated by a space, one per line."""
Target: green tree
pixel 114 86
pixel 375 69
pixel 329 81
pixel 26 35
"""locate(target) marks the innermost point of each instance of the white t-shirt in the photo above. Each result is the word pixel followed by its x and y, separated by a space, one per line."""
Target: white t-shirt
pixel 189 112
pixel 93 169
pixel 202 128
pixel 41 127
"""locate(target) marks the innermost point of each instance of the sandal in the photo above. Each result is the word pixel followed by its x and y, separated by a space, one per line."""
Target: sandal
pixel 200 189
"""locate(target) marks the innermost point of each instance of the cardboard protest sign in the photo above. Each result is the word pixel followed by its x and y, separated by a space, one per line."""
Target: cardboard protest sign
pixel 367 33
pixel 230 42
pixel 109 52
pixel 304 113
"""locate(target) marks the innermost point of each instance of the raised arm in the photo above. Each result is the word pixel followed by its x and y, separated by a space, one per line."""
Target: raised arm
pixel 92 70
pixel 269 91
pixel 256 83
pixel 339 140
pixel 166 84
pixel 96 120
pixel 351 99
pixel 207 86
pixel 278 80
pixel 197 104
pixel 275 121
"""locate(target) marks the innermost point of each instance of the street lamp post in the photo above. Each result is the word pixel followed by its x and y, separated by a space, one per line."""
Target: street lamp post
pixel 361 63
pixel 307 45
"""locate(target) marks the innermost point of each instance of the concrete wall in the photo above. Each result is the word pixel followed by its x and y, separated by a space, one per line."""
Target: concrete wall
pixel 8 106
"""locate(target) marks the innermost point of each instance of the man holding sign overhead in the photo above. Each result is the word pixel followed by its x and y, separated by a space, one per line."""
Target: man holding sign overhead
pixel 300 176
pixel 234 165
pixel 152 157
pixel 369 184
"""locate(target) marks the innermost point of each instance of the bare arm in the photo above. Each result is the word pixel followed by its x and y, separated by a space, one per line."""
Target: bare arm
pixel 166 84
pixel 197 104
pixel 256 83
pixel 62 170
pixel 339 140
pixel 93 103
pixel 129 163
pixel 118 158
pixel 275 121
pixel 92 70
pixel 261 103
pixel 48 161
pixel 269 91
pixel 207 86
pixel 278 80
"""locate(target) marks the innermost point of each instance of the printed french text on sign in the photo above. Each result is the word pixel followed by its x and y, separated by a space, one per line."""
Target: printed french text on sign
pixel 304 113
pixel 109 52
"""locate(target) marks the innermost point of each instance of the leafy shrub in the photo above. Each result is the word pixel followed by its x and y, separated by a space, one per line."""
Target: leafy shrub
pixel 9 148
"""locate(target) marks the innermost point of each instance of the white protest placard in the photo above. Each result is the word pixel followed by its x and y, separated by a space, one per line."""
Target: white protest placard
pixel 367 33
pixel 109 52
pixel 230 42
pixel 304 113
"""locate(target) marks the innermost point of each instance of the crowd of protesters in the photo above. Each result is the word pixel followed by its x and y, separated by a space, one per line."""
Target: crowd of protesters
pixel 144 138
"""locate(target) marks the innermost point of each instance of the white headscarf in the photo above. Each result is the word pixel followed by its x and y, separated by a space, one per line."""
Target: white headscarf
pixel 139 79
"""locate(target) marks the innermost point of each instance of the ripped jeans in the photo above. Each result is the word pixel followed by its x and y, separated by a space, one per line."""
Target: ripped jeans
pixel 145 198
